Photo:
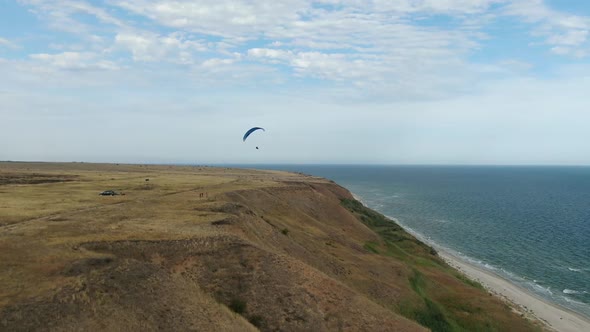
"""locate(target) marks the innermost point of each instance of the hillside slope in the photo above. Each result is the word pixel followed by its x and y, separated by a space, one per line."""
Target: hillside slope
pixel 190 248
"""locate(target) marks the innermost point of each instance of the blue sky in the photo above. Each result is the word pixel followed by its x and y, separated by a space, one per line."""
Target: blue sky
pixel 333 81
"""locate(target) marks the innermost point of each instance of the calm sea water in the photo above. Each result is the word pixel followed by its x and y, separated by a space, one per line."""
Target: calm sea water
pixel 529 224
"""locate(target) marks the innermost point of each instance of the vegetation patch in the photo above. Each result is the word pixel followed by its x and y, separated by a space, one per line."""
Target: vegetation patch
pixel 86 265
pixel 397 240
pixel 469 282
pixel 430 314
pixel 34 178
pixel 369 217
pixel 371 246
pixel 238 306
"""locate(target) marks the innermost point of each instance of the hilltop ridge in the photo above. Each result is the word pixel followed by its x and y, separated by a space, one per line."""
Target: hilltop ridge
pixel 201 248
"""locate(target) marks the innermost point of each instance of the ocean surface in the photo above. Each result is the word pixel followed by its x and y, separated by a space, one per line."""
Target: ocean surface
pixel 530 225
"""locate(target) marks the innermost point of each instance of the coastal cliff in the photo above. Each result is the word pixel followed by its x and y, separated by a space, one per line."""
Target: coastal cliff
pixel 200 248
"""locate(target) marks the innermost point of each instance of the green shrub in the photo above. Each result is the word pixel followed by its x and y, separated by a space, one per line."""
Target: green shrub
pixel 238 306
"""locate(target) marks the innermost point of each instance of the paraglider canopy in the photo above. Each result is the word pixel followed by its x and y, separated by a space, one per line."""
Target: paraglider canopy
pixel 250 131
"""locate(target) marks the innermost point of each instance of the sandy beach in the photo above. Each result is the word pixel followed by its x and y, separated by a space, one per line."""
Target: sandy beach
pixel 525 302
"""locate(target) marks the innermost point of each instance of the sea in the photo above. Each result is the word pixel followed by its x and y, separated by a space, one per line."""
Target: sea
pixel 529 225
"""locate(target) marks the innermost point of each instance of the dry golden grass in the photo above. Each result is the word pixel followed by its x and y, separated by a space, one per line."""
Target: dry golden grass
pixel 278 249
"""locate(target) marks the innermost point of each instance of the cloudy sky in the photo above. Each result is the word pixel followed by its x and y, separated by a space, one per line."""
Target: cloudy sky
pixel 332 81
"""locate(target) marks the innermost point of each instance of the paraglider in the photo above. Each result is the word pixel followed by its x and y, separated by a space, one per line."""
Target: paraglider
pixel 250 131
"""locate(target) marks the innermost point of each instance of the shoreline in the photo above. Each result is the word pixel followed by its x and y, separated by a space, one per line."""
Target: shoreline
pixel 523 301
pixel 551 315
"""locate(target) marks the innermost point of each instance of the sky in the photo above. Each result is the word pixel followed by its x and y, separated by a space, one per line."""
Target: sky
pixel 331 81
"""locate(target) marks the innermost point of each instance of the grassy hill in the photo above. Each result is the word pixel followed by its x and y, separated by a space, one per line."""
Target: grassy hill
pixel 199 248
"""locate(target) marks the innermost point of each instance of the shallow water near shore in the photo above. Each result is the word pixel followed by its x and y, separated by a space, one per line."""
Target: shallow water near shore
pixel 530 225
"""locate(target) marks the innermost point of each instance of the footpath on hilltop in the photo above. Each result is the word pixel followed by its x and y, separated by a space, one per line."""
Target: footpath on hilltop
pixel 200 248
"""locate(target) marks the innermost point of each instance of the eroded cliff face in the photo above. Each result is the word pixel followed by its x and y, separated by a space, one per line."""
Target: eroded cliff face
pixel 268 251
pixel 321 225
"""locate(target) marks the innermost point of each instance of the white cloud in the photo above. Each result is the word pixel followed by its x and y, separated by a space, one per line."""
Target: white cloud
pixel 567 34
pixel 270 54
pixel 382 55
pixel 60 14
pixel 571 38
pixel 7 43
pixel 423 6
pixel 74 61
pixel 146 46
pixel 373 45
pixel 217 62
pixel 239 19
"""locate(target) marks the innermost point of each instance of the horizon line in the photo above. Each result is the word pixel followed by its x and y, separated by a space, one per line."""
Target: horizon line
pixel 294 164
